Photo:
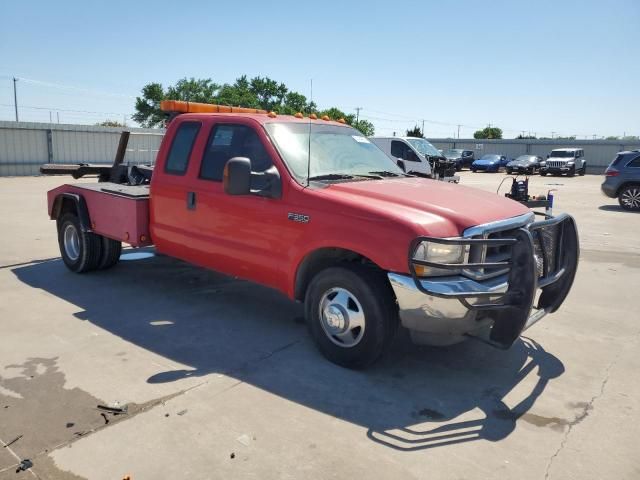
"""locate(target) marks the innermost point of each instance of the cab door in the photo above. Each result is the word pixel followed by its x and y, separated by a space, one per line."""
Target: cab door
pixel 171 195
pixel 239 235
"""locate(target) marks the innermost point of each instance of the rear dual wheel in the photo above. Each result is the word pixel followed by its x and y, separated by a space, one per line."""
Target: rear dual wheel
pixel 83 251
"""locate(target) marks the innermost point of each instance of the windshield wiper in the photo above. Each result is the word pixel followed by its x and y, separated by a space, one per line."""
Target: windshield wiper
pixel 332 176
pixel 386 173
pixel 343 176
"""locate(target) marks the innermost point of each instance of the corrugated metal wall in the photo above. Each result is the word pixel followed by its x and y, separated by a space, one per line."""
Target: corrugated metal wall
pixel 598 153
pixel 25 146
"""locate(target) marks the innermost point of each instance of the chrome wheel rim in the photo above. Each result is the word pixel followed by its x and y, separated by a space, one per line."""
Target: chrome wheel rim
pixel 71 241
pixel 631 197
pixel 342 317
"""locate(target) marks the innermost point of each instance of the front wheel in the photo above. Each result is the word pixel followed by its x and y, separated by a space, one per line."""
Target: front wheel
pixel 629 197
pixel 583 170
pixel 351 314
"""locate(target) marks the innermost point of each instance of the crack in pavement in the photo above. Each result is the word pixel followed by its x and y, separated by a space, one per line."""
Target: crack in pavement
pixel 585 412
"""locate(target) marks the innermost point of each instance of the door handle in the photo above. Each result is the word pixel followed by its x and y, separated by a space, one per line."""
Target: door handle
pixel 191 200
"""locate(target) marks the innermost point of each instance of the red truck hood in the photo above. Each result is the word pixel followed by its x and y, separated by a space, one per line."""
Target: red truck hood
pixel 425 202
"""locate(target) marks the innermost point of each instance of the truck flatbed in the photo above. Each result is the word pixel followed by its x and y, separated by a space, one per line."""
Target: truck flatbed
pixel 119 212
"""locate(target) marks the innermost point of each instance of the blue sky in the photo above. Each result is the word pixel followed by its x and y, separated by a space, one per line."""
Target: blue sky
pixel 571 67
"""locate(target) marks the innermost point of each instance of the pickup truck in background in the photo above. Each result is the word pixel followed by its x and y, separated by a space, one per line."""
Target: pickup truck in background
pixel 312 208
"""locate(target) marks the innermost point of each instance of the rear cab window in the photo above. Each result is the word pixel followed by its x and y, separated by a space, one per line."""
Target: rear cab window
pixel 181 147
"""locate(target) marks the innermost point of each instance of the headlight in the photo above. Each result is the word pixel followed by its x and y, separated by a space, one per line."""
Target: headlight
pixel 543 164
pixel 438 253
pixel 570 162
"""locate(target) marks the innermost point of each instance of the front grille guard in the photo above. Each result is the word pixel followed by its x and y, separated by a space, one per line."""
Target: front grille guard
pixel 544 255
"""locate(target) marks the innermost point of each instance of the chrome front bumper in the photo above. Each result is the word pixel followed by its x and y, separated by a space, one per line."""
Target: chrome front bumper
pixel 500 308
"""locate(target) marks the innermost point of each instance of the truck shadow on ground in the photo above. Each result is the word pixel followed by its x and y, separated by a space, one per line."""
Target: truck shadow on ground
pixel 415 398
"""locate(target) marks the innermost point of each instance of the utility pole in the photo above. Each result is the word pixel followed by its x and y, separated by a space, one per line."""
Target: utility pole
pixel 58 114
pixel 50 119
pixel 423 128
pixel 459 131
pixel 15 96
pixel 552 134
pixel 358 113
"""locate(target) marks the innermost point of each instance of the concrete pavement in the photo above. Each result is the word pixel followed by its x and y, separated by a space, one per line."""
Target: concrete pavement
pixel 222 381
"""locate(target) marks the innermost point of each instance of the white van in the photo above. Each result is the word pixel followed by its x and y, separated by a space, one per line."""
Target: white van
pixel 410 153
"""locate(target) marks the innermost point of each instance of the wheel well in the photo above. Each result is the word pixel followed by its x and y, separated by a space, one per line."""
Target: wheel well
pixel 626 184
pixel 72 203
pixel 324 258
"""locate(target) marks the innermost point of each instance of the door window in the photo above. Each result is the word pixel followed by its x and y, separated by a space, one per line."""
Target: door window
pixel 228 141
pixel 181 146
pixel 401 150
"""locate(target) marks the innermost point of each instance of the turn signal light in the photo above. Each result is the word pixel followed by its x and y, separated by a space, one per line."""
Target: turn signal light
pixel 611 173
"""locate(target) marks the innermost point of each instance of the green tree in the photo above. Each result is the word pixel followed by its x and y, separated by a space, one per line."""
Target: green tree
pixel 258 92
pixel 415 132
pixel 110 123
pixel 365 126
pixel 148 113
pixel 488 132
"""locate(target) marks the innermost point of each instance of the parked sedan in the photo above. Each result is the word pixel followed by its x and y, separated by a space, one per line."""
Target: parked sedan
pixel 489 163
pixel 622 180
pixel 524 164
pixel 463 158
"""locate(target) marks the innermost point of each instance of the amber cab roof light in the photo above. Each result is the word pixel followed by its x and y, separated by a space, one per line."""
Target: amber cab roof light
pixel 179 106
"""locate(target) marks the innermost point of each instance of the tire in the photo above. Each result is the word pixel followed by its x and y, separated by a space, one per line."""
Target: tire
pixel 583 170
pixel 629 198
pixel 572 172
pixel 473 170
pixel 509 171
pixel 351 293
pixel 110 255
pixel 80 251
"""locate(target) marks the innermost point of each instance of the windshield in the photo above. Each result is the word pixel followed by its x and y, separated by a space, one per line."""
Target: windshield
pixel 490 157
pixel 424 147
pixel 526 158
pixel 334 150
pixel 453 153
pixel 562 154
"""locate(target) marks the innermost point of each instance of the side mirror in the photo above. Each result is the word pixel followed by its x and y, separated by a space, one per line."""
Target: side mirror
pixel 236 178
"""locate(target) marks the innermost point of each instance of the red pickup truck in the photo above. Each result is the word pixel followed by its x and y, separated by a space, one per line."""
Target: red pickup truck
pixel 313 209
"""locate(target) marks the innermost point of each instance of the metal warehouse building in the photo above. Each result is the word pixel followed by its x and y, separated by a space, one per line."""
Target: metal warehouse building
pixel 24 146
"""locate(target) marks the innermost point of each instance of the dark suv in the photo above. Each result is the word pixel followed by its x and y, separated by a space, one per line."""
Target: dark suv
pixel 622 180
pixel 463 158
